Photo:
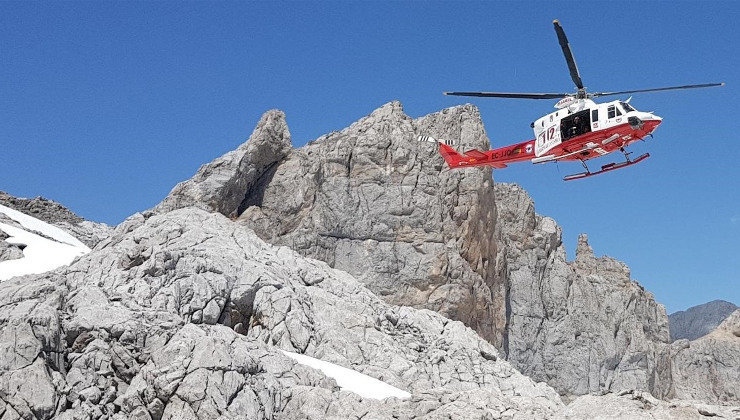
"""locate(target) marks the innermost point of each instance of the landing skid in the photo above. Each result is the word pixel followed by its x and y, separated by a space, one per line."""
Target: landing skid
pixel 606 168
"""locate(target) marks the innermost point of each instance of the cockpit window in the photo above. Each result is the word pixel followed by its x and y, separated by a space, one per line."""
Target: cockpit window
pixel 626 106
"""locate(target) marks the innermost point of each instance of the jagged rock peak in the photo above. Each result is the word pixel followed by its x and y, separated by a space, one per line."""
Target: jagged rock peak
pixel 223 184
pixel 707 368
pixel 730 327
pixel 373 201
pixel 584 250
pixel 388 109
pixel 587 263
pixel 271 128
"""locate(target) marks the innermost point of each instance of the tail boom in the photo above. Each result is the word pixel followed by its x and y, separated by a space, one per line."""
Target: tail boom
pixel 496 158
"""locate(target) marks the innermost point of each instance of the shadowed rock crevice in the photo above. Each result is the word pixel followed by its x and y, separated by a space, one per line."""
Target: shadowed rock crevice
pixel 254 195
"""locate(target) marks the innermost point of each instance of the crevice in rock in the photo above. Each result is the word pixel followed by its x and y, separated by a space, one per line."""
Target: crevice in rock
pixel 255 193
pixel 507 317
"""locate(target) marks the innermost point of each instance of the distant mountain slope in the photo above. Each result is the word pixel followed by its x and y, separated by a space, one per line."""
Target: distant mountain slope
pixel 55 214
pixel 31 246
pixel 38 235
pixel 700 320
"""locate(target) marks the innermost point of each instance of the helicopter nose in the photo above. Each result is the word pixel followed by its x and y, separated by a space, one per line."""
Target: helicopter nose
pixel 652 122
pixel 649 116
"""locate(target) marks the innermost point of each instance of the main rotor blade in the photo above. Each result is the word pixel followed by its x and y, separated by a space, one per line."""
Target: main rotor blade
pixel 563 40
pixel 597 94
pixel 511 95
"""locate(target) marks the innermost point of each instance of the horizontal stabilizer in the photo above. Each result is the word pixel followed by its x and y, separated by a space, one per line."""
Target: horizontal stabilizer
pixel 475 154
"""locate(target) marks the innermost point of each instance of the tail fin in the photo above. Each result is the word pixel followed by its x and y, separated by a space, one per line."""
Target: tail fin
pixel 450 155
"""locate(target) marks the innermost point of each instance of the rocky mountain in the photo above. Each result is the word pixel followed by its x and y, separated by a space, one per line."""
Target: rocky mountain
pixel 699 320
pixel 372 201
pixel 360 250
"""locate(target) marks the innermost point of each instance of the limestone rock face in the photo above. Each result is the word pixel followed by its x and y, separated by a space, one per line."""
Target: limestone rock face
pixel 224 184
pixel 708 368
pixel 699 320
pixel 583 327
pixel 88 232
pixel 181 315
pixel 372 201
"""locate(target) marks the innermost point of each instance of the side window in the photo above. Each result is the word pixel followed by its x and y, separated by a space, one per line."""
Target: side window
pixel 594 115
pixel 619 112
pixel 611 111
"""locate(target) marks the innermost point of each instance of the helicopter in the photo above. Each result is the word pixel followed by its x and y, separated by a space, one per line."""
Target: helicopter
pixel 579 130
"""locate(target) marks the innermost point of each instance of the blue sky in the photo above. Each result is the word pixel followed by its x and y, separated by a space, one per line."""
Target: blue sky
pixel 105 106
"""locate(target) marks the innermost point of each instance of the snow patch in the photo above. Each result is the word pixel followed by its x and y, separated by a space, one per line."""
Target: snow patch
pixel 40 254
pixel 350 380
pixel 32 223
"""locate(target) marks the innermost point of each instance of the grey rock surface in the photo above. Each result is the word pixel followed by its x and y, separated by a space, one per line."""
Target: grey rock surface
pixel 181 315
pixel 708 368
pixel 374 202
pixel 53 213
pixel 583 326
pixel 8 251
pixel 642 406
pixel 699 320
